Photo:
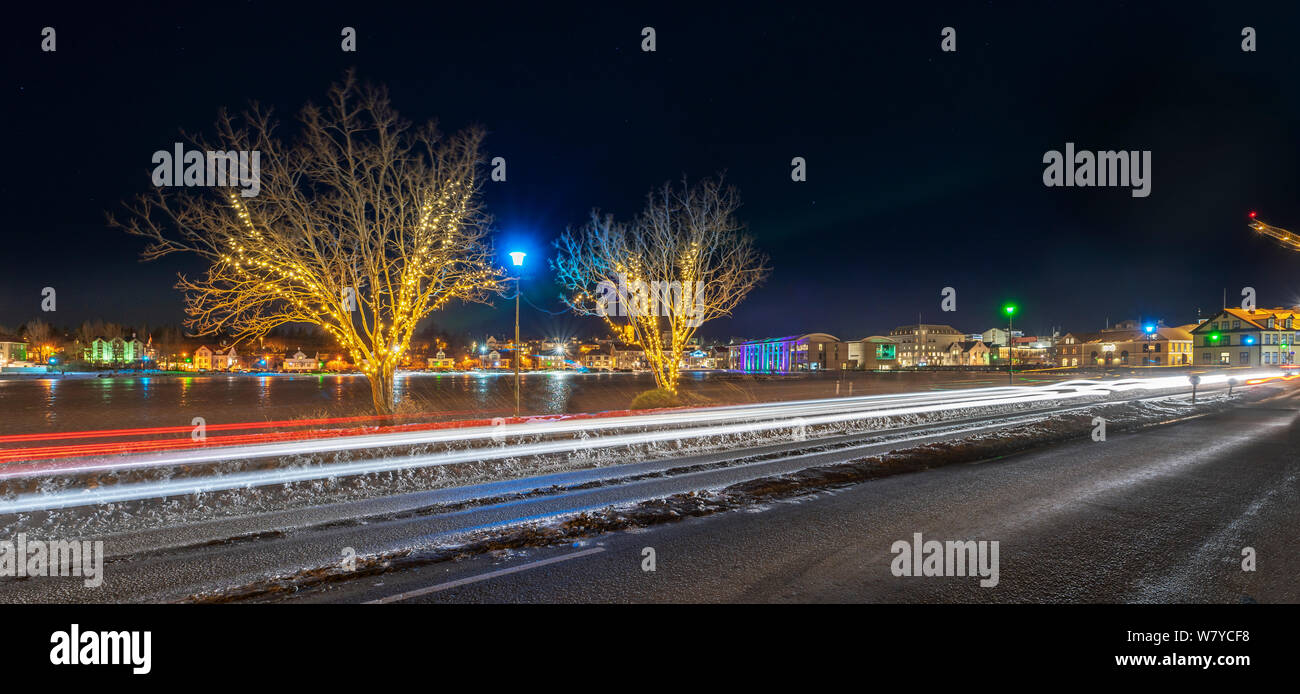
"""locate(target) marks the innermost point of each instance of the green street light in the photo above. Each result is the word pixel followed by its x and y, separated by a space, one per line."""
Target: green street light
pixel 1010 310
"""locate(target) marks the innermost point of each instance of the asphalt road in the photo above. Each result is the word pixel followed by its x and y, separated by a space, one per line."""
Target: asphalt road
pixel 1161 515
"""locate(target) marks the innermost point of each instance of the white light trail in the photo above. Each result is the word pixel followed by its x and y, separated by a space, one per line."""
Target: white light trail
pixel 548 427
pixel 780 416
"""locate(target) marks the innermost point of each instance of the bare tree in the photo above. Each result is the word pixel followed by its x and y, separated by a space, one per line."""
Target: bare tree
pixel 168 343
pixel 683 262
pixel 362 226
pixel 40 336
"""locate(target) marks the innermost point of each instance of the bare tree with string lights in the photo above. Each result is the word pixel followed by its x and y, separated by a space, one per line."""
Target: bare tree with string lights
pixel 363 226
pixel 682 262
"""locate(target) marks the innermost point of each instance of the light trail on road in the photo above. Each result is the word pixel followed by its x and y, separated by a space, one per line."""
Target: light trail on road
pixel 409 435
pixel 672 426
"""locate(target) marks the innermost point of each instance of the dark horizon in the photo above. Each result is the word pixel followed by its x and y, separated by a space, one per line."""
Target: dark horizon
pixel 924 168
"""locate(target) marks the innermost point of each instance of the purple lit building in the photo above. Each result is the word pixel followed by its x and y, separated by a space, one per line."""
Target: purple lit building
pixel 811 352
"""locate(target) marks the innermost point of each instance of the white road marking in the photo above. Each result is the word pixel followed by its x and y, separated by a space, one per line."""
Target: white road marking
pixel 474 579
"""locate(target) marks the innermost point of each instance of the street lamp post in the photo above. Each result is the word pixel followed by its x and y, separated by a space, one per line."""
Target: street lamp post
pixel 1011 311
pixel 518 258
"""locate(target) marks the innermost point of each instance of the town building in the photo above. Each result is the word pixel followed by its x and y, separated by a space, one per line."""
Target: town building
pixel 969 353
pixel 1030 350
pixel 299 362
pixel 493 360
pixel 12 350
pixel 1126 344
pixel 704 358
pixel 600 358
pixel 810 352
pixel 630 359
pixel 998 336
pixel 216 358
pixel 925 344
pixel 873 353
pixel 441 362
pixel 1239 337
pixel 117 351
pixel 550 360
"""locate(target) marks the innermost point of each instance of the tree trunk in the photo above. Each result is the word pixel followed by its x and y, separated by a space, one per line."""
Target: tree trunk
pixel 665 374
pixel 381 390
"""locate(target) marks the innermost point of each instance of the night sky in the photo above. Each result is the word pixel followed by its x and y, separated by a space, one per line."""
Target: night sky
pixel 924 168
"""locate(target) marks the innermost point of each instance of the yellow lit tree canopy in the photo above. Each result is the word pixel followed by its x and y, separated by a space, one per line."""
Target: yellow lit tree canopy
pixel 683 262
pixel 362 226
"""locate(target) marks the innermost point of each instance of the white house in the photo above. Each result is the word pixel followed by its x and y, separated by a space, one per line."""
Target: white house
pixel 301 362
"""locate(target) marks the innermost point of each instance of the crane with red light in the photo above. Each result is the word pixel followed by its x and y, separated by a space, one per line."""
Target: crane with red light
pixel 1282 236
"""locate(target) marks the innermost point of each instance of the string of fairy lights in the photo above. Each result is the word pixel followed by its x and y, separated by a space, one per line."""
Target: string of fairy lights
pixel 422 286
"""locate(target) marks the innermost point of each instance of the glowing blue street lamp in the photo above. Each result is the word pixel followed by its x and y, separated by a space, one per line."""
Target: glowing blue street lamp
pixel 517 257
